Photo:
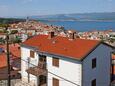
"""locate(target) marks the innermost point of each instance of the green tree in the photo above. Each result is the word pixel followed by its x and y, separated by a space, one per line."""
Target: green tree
pixel 2 41
pixel 14 31
pixel 17 40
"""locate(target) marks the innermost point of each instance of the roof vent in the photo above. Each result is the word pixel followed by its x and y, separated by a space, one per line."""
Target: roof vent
pixel 71 34
pixel 51 35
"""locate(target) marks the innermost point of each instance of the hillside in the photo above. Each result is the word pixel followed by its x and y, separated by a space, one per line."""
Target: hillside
pixel 78 17
pixel 10 20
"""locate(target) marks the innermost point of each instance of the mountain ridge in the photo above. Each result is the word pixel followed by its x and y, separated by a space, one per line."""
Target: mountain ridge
pixel 77 16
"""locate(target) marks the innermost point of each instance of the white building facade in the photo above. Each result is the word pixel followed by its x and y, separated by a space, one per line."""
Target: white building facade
pixel 93 70
pixel 49 60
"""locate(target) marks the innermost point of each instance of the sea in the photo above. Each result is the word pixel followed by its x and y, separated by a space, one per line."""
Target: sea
pixel 83 26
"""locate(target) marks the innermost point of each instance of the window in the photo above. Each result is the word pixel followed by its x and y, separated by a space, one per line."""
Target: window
pixel 55 82
pixel 93 82
pixel 42 58
pixel 55 62
pixel 94 63
pixel 32 54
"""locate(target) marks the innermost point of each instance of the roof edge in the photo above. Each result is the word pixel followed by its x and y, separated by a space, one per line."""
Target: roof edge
pixel 90 51
pixel 113 47
pixel 101 42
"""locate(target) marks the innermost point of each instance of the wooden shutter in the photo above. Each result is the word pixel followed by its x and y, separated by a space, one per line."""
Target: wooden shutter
pixel 55 82
pixel 32 54
pixel 55 62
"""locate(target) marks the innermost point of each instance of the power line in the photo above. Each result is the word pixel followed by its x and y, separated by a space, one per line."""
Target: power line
pixel 53 74
pixel 62 79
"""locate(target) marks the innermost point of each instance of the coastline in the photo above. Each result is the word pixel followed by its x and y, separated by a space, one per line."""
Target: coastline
pixel 83 26
pixel 50 20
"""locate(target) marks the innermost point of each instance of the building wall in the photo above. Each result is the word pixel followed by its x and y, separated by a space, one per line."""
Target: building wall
pixel 102 71
pixel 25 54
pixel 68 73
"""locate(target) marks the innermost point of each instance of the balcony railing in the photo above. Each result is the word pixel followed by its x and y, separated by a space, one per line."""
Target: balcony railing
pixel 22 83
pixel 38 70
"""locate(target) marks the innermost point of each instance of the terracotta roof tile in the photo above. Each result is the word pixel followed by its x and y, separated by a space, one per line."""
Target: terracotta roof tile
pixel 76 48
pixel 15 51
pixel 3 59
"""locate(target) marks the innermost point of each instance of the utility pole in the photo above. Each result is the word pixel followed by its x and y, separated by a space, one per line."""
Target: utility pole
pixel 8 58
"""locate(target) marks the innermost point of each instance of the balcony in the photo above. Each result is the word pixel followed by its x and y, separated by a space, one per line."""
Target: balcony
pixel 22 83
pixel 38 70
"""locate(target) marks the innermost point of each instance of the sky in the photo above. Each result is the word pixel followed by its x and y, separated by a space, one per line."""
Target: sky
pixel 13 8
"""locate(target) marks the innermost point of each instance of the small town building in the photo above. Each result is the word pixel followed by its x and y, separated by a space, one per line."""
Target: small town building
pixel 65 61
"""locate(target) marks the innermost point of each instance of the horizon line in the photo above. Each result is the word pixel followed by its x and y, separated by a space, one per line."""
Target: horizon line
pixel 50 14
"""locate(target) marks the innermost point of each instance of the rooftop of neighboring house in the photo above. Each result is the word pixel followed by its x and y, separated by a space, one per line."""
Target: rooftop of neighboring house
pixel 63 46
pixel 33 25
pixel 113 56
pixel 14 50
pixel 3 60
pixel 2 33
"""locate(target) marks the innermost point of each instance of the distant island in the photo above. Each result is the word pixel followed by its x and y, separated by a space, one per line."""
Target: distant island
pixel 65 17
pixel 77 17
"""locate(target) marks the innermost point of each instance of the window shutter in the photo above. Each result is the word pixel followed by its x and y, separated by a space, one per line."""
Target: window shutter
pixel 55 62
pixel 55 82
pixel 32 54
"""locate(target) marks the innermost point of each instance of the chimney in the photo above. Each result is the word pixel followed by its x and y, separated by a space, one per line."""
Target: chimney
pixel 71 34
pixel 51 35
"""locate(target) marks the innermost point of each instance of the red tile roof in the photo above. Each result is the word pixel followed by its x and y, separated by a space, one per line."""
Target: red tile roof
pixel 3 59
pixel 76 48
pixel 113 56
pixel 15 51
